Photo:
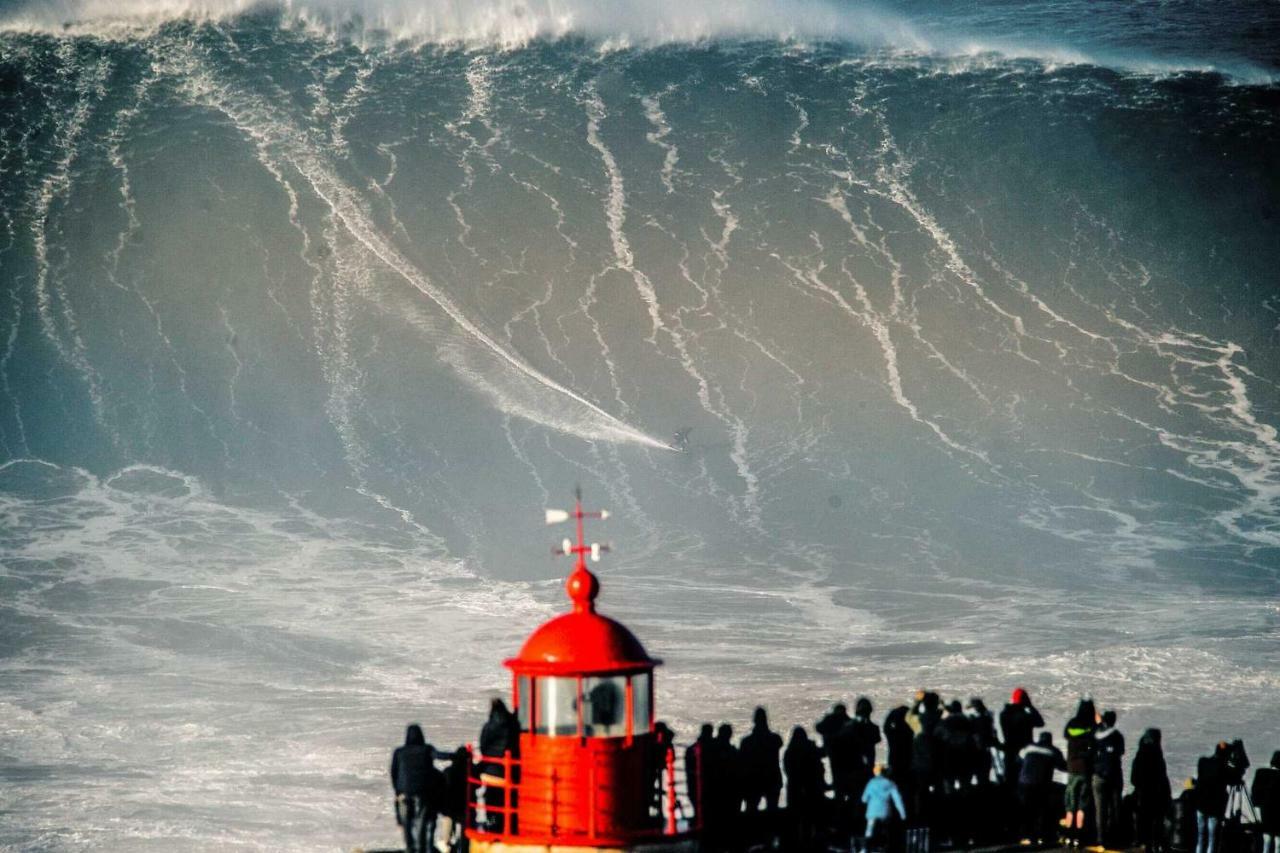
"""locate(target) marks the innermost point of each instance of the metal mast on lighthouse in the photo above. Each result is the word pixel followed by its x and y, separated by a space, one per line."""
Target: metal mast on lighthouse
pixel 590 773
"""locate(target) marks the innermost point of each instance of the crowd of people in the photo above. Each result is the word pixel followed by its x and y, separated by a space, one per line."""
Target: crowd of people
pixel 953 775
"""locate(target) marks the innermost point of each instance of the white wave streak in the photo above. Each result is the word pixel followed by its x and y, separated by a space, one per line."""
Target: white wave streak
pixel 479 97
pixel 285 143
pixel 811 280
pixel 114 141
pixel 658 136
pixel 616 215
pixel 890 184
pixel 90 87
pixel 897 311
pixel 1254 464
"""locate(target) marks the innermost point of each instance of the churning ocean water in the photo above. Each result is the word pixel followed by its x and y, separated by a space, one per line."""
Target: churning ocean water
pixel 308 309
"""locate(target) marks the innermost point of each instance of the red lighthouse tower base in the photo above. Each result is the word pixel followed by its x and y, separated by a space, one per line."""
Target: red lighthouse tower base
pixel 591 773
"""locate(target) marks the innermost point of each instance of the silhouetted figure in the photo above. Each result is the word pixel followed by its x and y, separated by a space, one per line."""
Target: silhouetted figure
pixel 805 784
pixel 419 790
pixel 898 737
pixel 1266 799
pixel 1036 764
pixel 1080 741
pixel 983 727
pixel 1183 825
pixel 1108 777
pixel 1211 798
pixel 500 737
pixel 856 743
pixel 923 718
pixel 694 773
pixel 1018 721
pixel 663 745
pixel 881 800
pixel 761 773
pixel 986 800
pixel 955 738
pixel 721 790
pixel 680 440
pixel 828 728
pixel 453 807
pixel 1152 794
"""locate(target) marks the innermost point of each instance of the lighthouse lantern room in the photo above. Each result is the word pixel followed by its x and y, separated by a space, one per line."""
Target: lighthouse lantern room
pixel 591 773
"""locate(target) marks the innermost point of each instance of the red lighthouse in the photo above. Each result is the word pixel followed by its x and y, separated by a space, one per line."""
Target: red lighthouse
pixel 591 772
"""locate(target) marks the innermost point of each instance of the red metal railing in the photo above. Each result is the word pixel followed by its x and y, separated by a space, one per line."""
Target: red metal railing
pixel 677 800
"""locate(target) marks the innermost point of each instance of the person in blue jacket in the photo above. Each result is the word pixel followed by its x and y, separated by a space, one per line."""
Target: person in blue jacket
pixel 881 799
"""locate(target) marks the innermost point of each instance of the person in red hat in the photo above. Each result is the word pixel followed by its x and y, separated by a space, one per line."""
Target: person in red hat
pixel 1018 723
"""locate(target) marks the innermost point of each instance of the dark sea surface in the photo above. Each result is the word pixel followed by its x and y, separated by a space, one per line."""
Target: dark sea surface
pixel 306 312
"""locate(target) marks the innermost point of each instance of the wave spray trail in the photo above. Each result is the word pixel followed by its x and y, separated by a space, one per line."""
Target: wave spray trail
pixel 285 143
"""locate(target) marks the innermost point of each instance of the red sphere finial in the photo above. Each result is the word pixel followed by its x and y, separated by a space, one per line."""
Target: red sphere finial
pixel 583 588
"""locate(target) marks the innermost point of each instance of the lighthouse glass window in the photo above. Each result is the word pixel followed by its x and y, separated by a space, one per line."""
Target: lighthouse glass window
pixel 557 700
pixel 641 713
pixel 605 701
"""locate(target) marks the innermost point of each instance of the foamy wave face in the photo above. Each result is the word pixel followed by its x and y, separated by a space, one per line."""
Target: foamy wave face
pixel 241 627
pixel 507 23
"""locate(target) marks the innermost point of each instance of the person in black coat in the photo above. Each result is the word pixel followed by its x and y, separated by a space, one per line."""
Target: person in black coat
pixel 1211 798
pixel 419 788
pixel 1018 722
pixel 898 737
pixel 499 739
pixel 954 733
pixel 838 758
pixel 983 726
pixel 1153 795
pixel 1108 777
pixel 1266 799
pixel 923 718
pixel 805 784
pixel 722 790
pixel 695 772
pixel 1036 765
pixel 453 808
pixel 758 756
pixel 857 741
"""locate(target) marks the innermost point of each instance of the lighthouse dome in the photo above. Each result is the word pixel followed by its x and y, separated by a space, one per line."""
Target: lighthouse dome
pixel 581 643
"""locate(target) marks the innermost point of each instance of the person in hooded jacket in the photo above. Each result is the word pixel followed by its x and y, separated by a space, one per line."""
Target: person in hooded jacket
pixel 803 764
pixel 1108 777
pixel 1019 720
pixel 758 756
pixel 1152 793
pixel 499 738
pixel 881 800
pixel 1211 798
pixel 419 788
pixel 1266 799
pixel 1036 765
pixel 1080 741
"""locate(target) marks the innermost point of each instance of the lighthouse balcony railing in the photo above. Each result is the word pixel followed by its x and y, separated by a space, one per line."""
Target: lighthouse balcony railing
pixel 493 814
